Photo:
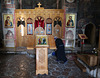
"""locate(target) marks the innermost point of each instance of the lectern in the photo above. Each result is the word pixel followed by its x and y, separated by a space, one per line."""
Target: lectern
pixel 82 37
pixel 42 43
pixel 42 54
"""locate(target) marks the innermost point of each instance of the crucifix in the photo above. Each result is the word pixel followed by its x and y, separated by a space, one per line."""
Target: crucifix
pixel 39 4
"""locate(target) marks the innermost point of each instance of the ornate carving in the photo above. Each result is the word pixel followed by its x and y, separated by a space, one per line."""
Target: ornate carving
pixel 49 21
pixel 57 20
pixel 29 20
pixel 42 56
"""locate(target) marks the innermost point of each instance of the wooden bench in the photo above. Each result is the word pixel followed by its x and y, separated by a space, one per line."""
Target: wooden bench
pixel 87 59
pixel 90 60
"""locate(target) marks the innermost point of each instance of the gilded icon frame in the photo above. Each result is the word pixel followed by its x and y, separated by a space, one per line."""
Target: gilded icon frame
pixel 41 40
pixel 8 24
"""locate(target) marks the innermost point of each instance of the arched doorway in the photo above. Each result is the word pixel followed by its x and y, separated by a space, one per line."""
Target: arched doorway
pixel 90 31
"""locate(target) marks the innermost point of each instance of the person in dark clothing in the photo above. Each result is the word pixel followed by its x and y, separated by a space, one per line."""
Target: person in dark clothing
pixel 60 52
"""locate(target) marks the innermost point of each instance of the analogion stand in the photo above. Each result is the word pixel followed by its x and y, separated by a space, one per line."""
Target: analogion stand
pixel 82 37
pixel 42 53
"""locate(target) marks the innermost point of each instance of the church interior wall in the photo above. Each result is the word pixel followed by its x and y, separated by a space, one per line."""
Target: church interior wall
pixel 87 12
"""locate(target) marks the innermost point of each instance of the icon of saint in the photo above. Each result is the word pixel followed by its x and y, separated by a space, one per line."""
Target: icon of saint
pixel 8 22
pixel 70 21
pixel 29 29
pixel 39 40
pixel 44 40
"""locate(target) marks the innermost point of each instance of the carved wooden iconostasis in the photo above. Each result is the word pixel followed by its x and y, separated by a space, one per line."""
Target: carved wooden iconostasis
pixel 38 21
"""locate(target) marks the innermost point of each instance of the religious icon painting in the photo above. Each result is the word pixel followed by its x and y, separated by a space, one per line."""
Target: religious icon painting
pixel 42 40
pixel 49 29
pixel 29 29
pixel 70 20
pixel 8 20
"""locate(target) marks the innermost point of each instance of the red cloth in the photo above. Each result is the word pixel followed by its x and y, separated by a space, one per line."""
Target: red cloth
pixel 6 22
pixel 39 21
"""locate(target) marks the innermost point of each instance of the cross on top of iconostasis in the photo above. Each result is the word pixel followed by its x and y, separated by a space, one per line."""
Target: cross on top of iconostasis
pixel 39 4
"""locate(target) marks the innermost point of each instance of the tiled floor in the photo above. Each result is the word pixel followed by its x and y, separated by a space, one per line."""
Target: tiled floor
pixel 23 66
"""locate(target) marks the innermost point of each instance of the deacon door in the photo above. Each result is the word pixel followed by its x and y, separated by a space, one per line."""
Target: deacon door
pixel 20 36
pixel 21 30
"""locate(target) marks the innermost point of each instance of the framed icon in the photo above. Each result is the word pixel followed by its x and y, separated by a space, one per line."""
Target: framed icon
pixel 41 40
pixel 49 29
pixel 29 29
pixel 70 20
pixel 8 20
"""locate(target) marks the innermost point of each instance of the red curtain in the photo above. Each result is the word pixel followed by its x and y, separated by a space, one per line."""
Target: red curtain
pixel 40 23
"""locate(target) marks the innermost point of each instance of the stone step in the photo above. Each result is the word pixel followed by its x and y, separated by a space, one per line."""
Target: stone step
pixel 82 68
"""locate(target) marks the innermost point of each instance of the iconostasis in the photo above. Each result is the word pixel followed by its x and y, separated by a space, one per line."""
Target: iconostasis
pixel 38 21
